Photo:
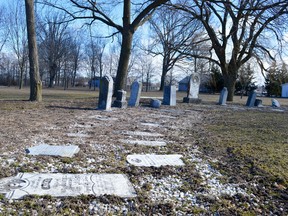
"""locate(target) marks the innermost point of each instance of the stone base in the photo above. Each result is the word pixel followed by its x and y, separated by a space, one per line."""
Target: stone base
pixel 120 104
pixel 191 100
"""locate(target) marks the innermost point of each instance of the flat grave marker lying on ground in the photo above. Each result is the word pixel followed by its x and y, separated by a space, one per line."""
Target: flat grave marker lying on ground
pixel 145 143
pixel 150 124
pixel 149 160
pixel 49 150
pixel 141 133
pixel 62 185
pixel 80 135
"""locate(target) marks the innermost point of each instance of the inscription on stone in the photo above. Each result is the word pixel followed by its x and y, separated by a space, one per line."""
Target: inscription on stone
pixel 60 185
pixel 155 160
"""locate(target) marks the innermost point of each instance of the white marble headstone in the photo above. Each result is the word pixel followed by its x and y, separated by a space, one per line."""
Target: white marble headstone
pixel 155 160
pixel 62 151
pixel 61 185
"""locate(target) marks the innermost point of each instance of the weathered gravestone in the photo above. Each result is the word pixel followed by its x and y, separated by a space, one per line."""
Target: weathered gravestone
pixel 155 103
pixel 145 142
pixel 61 185
pixel 105 94
pixel 62 151
pixel 149 160
pixel 135 94
pixel 193 89
pixel 275 103
pixel 251 99
pixel 169 97
pixel 223 96
pixel 120 99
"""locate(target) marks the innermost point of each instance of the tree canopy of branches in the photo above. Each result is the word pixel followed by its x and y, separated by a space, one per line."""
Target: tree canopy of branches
pixel 99 11
pixel 239 30
pixel 174 37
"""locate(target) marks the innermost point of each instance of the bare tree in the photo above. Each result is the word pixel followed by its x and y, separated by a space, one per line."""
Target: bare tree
pixel 130 23
pixel 239 30
pixel 18 37
pixel 175 37
pixel 35 82
pixel 54 39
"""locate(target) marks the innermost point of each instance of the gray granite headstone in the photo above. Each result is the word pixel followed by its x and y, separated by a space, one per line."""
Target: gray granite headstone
pixel 251 99
pixel 149 160
pixel 169 97
pixel 193 89
pixel 61 185
pixel 223 96
pixel 62 151
pixel 120 99
pixel 105 94
pixel 275 103
pixel 135 94
pixel 155 103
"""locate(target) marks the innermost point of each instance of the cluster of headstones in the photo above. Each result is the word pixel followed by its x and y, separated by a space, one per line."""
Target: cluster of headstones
pixel 169 97
pixel 251 101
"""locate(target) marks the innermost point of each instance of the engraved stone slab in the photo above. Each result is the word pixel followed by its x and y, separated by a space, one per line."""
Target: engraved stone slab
pixel 193 89
pixel 251 99
pixel 62 151
pixel 223 97
pixel 80 135
pixel 61 185
pixel 144 142
pixel 155 160
pixel 150 124
pixel 135 94
pixel 105 94
pixel 141 133
pixel 169 96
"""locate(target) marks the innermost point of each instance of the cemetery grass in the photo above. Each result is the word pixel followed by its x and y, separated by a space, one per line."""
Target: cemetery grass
pixel 248 146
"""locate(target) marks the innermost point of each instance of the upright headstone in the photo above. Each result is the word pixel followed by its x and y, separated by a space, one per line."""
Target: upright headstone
pixel 275 103
pixel 135 94
pixel 193 89
pixel 120 99
pixel 169 97
pixel 106 91
pixel 251 99
pixel 223 96
pixel 258 103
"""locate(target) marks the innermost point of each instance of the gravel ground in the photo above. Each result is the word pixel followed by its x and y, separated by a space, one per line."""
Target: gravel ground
pixel 196 188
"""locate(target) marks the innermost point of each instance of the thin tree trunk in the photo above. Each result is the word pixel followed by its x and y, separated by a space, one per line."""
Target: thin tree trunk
pixel 35 82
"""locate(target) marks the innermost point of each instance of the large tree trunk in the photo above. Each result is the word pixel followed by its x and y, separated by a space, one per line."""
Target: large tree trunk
pixel 35 82
pixel 126 46
pixel 229 77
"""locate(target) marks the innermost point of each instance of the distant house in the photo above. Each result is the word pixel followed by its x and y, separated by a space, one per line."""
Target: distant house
pixel 284 90
pixel 183 84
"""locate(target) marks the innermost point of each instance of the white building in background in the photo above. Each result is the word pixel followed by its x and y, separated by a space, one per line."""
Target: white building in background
pixel 284 90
